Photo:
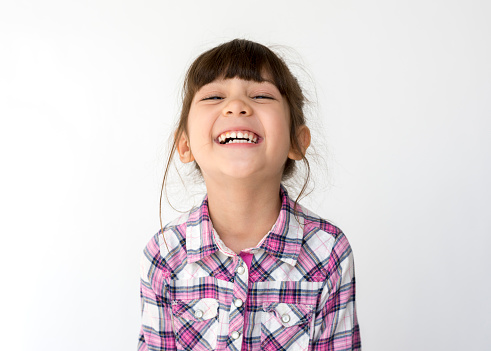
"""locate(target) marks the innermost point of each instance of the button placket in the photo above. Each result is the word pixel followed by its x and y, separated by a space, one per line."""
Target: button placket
pixel 240 290
pixel 241 276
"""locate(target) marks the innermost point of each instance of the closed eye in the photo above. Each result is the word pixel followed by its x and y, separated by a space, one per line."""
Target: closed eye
pixel 215 97
pixel 263 97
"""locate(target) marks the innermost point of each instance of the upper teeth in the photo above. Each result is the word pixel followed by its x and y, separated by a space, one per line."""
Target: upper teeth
pixel 241 136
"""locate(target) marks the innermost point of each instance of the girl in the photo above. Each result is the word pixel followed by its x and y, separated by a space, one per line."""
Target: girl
pixel 249 269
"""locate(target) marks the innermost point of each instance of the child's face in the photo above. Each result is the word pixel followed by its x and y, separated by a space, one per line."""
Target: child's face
pixel 233 106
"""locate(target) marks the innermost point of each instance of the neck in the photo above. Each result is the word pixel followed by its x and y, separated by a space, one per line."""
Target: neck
pixel 243 213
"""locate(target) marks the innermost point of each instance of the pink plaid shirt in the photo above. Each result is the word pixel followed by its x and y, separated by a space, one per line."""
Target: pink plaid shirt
pixel 298 293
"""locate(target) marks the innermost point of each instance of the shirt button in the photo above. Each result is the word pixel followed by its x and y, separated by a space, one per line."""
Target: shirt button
pixel 285 318
pixel 240 270
pixel 238 303
pixel 235 335
pixel 198 314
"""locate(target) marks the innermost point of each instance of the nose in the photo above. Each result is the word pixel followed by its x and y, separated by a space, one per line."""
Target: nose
pixel 237 107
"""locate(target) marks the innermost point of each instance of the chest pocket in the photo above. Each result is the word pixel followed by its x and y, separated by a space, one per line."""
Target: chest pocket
pixel 286 326
pixel 195 324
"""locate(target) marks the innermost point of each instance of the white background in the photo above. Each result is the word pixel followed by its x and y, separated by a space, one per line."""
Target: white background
pixel 88 96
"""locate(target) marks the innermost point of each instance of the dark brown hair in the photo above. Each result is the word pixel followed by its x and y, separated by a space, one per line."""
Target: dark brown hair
pixel 246 60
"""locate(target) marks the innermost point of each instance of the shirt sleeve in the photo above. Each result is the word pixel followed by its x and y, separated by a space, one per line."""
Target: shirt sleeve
pixel 156 332
pixel 336 325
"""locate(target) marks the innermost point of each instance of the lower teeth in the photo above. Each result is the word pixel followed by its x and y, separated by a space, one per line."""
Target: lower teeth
pixel 237 141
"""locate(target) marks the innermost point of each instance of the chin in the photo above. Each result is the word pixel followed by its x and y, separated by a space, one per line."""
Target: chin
pixel 233 173
pixel 239 173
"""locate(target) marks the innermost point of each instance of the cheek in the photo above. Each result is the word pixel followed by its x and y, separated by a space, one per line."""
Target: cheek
pixel 281 130
pixel 197 130
pixel 201 121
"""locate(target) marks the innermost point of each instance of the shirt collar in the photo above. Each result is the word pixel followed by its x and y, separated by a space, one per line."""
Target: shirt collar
pixel 283 241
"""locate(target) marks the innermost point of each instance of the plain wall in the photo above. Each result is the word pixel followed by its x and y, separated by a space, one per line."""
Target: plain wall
pixel 88 97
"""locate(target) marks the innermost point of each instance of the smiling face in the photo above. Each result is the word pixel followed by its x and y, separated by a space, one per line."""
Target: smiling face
pixel 238 129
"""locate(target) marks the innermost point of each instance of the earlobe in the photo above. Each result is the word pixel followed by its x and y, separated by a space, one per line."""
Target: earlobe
pixel 184 149
pixel 303 137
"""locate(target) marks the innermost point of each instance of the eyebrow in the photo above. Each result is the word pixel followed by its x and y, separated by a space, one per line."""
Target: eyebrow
pixel 267 81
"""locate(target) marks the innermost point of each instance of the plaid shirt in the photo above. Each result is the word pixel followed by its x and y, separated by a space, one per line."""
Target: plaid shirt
pixel 298 294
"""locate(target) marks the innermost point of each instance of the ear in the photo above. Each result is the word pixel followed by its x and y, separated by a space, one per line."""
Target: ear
pixel 184 149
pixel 303 137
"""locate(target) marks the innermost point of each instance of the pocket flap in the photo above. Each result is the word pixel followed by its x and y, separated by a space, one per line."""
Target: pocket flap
pixel 289 314
pixel 195 310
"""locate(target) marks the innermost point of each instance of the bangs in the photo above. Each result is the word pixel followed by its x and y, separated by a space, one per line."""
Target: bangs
pixel 238 59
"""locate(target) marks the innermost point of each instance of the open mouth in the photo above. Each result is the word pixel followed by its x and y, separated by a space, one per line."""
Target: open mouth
pixel 238 137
